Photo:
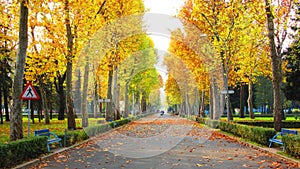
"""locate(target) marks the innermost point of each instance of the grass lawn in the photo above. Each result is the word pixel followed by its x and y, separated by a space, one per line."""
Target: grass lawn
pixel 56 126
pixel 258 119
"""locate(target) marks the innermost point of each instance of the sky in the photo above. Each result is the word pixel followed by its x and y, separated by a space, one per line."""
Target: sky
pixel 160 20
pixel 166 7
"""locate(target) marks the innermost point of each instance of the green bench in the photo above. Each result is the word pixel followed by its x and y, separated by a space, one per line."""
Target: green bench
pixel 283 132
pixel 52 138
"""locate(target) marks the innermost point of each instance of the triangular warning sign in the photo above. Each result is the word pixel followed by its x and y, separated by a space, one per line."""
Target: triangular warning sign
pixel 29 93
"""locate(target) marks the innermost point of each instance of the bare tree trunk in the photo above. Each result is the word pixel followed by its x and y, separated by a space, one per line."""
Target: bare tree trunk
pixel 1 113
pixel 216 105
pixel 109 106
pixel 59 85
pixel 84 111
pixel 77 91
pixel 144 104
pixel 222 104
pixel 127 105
pixel 250 98
pixel 242 97
pixel 97 112
pixel 43 89
pixel 116 95
pixel 211 100
pixel 276 68
pixel 16 130
pixel 70 106
pixel 202 107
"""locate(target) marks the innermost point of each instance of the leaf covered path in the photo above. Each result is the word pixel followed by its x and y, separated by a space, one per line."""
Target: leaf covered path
pixel 165 142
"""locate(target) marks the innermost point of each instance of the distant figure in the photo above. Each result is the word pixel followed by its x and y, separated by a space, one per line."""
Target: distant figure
pixel 162 113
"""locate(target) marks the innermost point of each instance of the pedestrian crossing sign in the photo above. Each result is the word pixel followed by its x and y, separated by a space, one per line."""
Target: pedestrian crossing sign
pixel 29 93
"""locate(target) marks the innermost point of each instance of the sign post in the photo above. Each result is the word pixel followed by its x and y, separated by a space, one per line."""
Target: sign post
pixel 29 93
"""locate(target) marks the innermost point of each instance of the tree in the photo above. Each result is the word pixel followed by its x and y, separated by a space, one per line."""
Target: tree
pixel 253 60
pixel 136 62
pixel 7 47
pixel 277 21
pixel 16 130
pixel 221 22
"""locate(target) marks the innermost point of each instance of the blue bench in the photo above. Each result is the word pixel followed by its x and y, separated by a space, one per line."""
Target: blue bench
pixel 282 133
pixel 52 138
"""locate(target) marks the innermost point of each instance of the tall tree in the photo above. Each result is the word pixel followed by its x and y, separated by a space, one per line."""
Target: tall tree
pixel 277 21
pixel 69 57
pixel 16 130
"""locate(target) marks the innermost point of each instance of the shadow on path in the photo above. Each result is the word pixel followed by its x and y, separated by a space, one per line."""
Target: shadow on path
pixel 166 142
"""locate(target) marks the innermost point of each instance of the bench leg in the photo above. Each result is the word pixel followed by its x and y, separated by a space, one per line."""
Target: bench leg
pixel 60 144
pixel 48 147
pixel 270 145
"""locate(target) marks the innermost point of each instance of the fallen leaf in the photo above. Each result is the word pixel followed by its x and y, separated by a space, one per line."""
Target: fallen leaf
pixel 199 165
pixel 192 149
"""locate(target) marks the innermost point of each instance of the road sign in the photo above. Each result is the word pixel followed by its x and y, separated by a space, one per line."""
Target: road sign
pixel 225 92
pixel 104 100
pixel 29 93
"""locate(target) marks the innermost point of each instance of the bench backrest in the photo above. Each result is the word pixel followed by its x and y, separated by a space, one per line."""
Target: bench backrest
pixel 285 131
pixel 43 132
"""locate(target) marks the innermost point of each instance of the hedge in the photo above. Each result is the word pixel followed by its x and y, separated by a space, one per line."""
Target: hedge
pixel 292 145
pixel 270 124
pixel 16 152
pixel 257 134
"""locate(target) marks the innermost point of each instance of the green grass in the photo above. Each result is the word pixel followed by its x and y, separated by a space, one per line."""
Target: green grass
pixel 56 126
pixel 257 119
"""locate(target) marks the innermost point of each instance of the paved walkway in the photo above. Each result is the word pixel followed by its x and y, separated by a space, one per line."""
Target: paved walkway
pixel 163 143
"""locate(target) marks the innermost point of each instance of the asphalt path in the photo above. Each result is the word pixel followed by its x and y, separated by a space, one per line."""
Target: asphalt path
pixel 165 142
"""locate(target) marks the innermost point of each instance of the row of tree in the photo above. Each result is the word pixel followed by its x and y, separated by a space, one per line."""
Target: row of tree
pixel 60 41
pixel 246 41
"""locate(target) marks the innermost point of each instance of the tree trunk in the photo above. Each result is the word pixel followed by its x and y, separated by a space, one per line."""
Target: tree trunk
pixel 62 99
pixel 116 95
pixel 138 102
pixel 211 100
pixel 77 92
pixel 144 104
pixel 242 105
pixel 216 101
pixel 84 110
pixel 16 130
pixel 6 102
pixel 127 105
pixel 97 112
pixel 43 89
pixel 109 106
pixel 202 107
pixel 1 113
pixel 250 98
pixel 70 106
pixel 276 68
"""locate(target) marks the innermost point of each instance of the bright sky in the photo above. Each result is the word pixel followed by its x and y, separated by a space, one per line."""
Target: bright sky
pixel 160 22
pixel 166 7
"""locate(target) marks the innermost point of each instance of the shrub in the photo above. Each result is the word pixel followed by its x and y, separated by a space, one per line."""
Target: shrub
pixel 212 123
pixel 292 145
pixel 256 134
pixel 15 152
pixel 270 124
pixel 200 120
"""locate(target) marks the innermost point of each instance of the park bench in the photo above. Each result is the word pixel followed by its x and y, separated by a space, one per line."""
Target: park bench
pixel 283 132
pixel 52 138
